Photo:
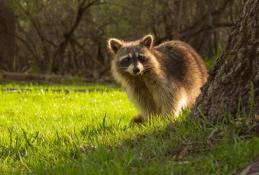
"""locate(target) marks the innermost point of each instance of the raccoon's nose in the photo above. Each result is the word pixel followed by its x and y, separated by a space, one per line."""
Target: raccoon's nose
pixel 136 70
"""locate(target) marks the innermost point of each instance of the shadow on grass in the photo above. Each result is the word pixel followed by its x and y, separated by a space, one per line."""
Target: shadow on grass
pixel 184 147
pixel 159 147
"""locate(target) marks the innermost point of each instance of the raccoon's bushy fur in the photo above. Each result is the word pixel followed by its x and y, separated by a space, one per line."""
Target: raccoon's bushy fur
pixel 168 76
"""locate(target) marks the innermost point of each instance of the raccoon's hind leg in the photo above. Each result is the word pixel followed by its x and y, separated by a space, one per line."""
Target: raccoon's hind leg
pixel 138 119
pixel 143 117
pixel 182 102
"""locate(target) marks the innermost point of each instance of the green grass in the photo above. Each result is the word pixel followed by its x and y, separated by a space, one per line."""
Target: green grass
pixel 87 130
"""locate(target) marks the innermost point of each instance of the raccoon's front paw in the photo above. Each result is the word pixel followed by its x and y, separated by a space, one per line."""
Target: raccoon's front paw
pixel 138 119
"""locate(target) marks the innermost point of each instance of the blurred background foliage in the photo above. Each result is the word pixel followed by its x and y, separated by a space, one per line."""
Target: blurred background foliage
pixel 68 37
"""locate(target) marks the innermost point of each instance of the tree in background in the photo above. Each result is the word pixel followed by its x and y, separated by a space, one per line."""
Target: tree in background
pixel 7 37
pixel 203 24
pixel 69 36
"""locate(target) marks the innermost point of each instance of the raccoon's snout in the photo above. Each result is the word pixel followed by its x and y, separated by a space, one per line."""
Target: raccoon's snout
pixel 135 69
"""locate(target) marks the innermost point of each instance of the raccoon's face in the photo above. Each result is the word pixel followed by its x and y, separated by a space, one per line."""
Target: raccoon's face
pixel 132 62
pixel 132 57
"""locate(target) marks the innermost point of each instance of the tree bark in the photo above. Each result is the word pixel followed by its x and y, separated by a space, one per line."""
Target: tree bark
pixel 234 80
pixel 252 169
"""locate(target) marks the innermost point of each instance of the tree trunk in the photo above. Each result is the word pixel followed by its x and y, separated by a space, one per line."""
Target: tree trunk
pixel 252 169
pixel 7 36
pixel 234 81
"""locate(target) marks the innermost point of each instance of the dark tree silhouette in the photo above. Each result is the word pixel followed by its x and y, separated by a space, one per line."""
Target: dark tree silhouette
pixel 7 33
pixel 69 37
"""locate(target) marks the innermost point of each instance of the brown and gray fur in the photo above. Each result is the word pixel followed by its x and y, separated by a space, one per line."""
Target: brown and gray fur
pixel 160 80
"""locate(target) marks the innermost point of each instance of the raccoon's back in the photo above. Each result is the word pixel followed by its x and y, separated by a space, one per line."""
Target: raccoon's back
pixel 181 63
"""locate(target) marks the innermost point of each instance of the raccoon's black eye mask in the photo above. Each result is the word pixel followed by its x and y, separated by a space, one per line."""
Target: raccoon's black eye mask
pixel 125 62
pixel 142 58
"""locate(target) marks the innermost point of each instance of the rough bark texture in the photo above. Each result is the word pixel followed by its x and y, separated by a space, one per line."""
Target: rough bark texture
pixel 252 169
pixel 234 80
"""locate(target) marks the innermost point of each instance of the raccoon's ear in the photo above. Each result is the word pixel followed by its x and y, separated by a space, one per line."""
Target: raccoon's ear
pixel 114 45
pixel 147 41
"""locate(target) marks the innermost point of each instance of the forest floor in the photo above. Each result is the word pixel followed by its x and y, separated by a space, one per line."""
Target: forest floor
pixel 86 129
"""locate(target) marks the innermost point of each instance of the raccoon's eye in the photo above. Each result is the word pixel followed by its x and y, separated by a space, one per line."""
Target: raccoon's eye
pixel 125 61
pixel 142 58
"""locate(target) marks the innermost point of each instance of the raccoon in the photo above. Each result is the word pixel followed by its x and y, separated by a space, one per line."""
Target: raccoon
pixel 160 80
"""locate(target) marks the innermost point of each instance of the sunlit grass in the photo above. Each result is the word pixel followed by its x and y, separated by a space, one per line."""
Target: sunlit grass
pixel 87 129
